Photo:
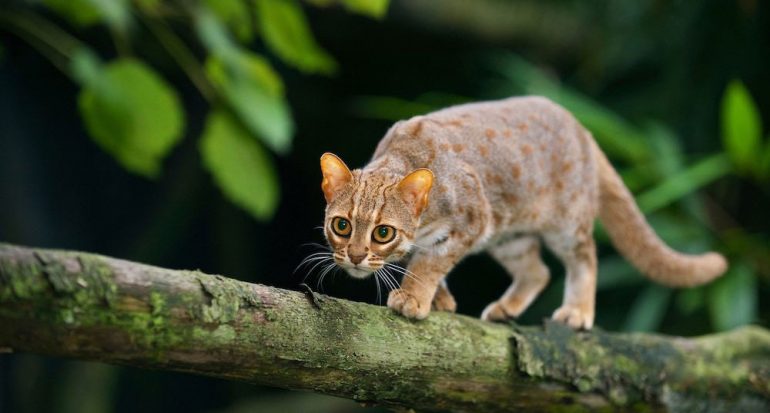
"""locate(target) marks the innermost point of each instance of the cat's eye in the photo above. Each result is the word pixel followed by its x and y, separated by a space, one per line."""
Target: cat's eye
pixel 341 227
pixel 384 234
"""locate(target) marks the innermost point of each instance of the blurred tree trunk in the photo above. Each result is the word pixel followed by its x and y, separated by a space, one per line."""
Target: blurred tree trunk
pixel 92 307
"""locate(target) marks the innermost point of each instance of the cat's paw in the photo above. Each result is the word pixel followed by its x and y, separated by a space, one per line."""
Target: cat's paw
pixel 495 312
pixel 406 304
pixel 443 301
pixel 574 316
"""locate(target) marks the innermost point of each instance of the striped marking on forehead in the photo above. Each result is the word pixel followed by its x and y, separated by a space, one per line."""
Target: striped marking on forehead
pixel 354 200
pixel 378 216
pixel 368 201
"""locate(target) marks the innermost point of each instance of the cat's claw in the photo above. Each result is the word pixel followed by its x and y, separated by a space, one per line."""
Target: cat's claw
pixel 406 304
pixel 574 317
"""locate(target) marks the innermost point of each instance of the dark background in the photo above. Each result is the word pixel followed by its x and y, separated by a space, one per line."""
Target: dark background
pixel 662 61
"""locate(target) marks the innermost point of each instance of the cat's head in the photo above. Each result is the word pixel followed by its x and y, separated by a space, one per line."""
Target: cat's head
pixel 371 218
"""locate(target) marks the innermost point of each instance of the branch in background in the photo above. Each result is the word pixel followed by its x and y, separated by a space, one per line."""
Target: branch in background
pixel 92 307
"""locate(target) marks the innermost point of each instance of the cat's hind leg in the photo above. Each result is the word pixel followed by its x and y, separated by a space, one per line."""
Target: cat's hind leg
pixel 576 249
pixel 521 258
pixel 443 300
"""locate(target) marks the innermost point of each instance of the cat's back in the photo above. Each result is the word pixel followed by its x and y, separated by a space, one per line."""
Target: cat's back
pixel 493 132
pixel 529 158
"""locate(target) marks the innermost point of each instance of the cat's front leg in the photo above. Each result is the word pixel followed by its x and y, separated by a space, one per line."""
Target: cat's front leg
pixel 443 300
pixel 418 288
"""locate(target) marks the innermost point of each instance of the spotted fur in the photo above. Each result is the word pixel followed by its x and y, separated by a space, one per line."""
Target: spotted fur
pixel 506 176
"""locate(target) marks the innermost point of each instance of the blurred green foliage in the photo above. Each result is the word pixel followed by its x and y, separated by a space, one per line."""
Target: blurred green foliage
pixel 131 113
pixel 240 166
pixel 742 132
pixel 135 115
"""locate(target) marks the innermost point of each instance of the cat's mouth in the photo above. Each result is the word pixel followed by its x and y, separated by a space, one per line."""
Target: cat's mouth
pixel 358 271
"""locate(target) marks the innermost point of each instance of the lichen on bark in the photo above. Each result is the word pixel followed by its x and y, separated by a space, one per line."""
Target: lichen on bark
pixel 93 307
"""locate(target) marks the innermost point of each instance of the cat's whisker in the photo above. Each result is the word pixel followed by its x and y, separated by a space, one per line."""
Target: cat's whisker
pixel 327 261
pixel 315 255
pixel 406 273
pixel 316 261
pixel 392 281
pixel 389 277
pixel 316 244
pixel 419 247
pixel 326 271
pixel 379 291
pixel 391 285
pixel 313 258
pixel 319 282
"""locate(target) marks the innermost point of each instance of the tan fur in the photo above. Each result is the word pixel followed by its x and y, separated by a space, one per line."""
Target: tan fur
pixel 506 175
pixel 634 238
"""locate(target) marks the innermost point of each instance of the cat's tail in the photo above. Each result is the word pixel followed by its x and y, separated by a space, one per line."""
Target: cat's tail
pixel 638 243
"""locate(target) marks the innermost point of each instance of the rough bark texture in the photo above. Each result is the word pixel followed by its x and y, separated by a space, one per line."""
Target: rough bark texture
pixel 92 307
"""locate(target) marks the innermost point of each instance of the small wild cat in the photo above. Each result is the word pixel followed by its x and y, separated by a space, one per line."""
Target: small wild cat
pixel 501 177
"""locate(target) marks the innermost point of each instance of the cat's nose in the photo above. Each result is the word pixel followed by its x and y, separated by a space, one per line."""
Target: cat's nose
pixel 356 258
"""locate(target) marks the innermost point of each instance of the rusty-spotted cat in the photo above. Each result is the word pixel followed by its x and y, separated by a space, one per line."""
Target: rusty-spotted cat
pixel 501 177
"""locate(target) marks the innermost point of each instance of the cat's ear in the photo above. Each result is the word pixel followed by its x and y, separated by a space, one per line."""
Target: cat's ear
pixel 336 175
pixel 414 189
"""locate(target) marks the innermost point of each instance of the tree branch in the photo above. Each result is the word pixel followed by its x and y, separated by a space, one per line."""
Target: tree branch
pixel 92 307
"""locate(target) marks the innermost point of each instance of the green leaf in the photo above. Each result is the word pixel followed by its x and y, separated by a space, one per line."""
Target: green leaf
pixel 248 83
pixel 667 153
pixel 733 298
pixel 85 13
pixel 371 8
pixel 85 65
pixel 213 33
pixel 683 183
pixel 235 14
pixel 286 31
pixel 133 114
pixel 116 13
pixel 648 309
pixel 255 92
pixel 241 169
pixel 741 126
pixel 81 13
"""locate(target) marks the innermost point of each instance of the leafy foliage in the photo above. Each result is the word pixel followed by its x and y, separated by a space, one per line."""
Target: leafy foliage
pixel 239 165
pixel 132 113
pixel 286 32
pixel 79 12
pixel 742 131
pixel 733 298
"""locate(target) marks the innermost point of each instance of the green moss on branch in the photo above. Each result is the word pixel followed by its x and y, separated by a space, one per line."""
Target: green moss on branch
pixel 98 308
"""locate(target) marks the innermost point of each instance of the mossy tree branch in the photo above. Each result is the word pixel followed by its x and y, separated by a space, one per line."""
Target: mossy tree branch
pixel 92 307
